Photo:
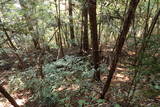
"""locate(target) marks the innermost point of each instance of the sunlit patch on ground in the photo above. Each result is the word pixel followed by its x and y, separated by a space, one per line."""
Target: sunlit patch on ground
pixel 5 103
pixel 158 98
pixel 20 102
pixel 61 88
pixel 121 69
pixel 1 104
pixel 131 53
pixel 72 87
pixel 119 76
pixel 122 77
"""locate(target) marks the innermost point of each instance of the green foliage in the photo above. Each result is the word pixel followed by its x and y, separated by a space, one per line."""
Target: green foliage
pixel 81 103
pixel 151 63
pixel 70 73
pixel 100 101
pixel 3 62
pixel 40 88
pixel 117 105
pixel 25 20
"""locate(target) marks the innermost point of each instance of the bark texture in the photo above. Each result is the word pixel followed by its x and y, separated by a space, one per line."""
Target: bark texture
pixel 94 37
pixel 119 43
pixel 72 37
pixel 85 26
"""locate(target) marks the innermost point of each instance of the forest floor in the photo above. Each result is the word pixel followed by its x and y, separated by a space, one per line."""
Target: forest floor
pixel 118 91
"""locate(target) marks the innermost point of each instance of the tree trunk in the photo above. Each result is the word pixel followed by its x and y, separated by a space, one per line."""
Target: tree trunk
pixel 35 37
pixel 119 43
pixel 60 50
pixel 81 38
pixel 140 54
pixel 148 33
pixel 8 38
pixel 9 98
pixel 71 23
pixel 21 63
pixel 158 23
pixel 36 43
pixel 85 26
pixel 94 37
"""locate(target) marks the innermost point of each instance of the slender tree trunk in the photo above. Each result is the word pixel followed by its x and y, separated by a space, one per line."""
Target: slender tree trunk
pixel 129 96
pixel 147 35
pixel 85 26
pixel 119 43
pixel 35 38
pixel 40 62
pixel 71 23
pixel 9 98
pixel 21 63
pixel 94 37
pixel 8 38
pixel 36 43
pixel 53 36
pixel 66 35
pixel 60 51
pixel 100 26
pixel 140 55
pixel 81 39
pixel 158 23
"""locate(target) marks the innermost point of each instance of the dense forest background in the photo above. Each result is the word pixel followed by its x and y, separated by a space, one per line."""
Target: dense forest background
pixel 79 53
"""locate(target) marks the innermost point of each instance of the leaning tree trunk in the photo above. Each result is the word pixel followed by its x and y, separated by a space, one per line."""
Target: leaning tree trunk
pixel 9 98
pixel 7 35
pixel 119 43
pixel 94 37
pixel 11 45
pixel 140 54
pixel 147 35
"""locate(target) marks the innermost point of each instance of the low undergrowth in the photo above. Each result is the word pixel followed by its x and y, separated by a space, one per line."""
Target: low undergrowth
pixel 68 81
